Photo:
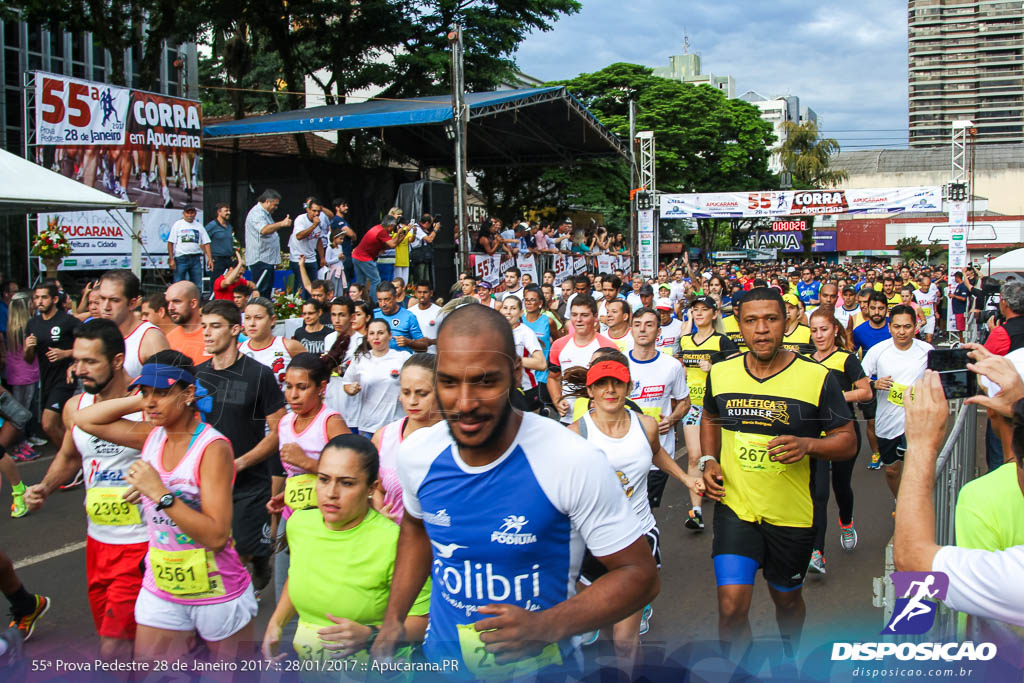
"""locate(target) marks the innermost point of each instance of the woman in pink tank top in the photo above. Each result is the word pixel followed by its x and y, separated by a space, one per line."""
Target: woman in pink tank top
pixel 194 582
pixel 417 399
pixel 302 435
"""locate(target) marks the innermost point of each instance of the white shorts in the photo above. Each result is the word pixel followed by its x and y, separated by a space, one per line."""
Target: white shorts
pixel 929 326
pixel 212 622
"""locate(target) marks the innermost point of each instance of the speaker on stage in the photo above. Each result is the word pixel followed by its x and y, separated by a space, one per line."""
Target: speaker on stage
pixel 437 199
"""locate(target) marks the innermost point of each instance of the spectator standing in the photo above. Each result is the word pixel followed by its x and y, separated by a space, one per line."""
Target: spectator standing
pixel 340 226
pixel 222 239
pixel 958 295
pixel 1009 336
pixel 422 254
pixel 364 256
pixel 226 283
pixel 305 248
pixel 186 245
pixel 262 243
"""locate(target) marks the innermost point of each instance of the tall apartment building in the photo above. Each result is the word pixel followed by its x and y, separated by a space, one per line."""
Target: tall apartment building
pixel 966 62
pixel 776 111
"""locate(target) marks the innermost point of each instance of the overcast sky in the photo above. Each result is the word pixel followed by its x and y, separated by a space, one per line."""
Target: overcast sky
pixel 846 60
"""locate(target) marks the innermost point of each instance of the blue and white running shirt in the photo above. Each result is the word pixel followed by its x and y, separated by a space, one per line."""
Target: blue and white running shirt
pixel 513 531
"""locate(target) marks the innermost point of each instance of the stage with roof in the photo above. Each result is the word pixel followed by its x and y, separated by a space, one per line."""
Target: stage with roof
pixel 506 127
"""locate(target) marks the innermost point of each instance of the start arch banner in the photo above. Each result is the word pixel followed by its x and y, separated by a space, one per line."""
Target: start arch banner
pixel 889 200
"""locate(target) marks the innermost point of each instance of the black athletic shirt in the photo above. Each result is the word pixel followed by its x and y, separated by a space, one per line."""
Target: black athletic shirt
pixel 243 395
pixel 55 333
pixel 312 341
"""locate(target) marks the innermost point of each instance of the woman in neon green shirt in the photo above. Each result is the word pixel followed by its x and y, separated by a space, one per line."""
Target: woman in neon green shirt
pixel 342 561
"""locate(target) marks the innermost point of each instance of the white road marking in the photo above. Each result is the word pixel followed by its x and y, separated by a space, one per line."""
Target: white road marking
pixel 43 557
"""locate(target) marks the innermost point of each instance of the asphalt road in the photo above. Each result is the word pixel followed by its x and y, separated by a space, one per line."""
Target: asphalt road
pixel 47 548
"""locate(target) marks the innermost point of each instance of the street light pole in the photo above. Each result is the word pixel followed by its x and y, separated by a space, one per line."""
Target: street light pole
pixel 460 125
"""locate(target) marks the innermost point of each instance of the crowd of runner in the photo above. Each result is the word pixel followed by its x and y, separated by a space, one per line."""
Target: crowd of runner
pixel 486 461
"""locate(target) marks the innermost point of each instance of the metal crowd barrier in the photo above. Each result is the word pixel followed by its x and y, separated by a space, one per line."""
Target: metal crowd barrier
pixel 492 267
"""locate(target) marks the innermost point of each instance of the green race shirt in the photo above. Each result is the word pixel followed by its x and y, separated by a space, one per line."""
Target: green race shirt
pixel 347 573
pixel 990 511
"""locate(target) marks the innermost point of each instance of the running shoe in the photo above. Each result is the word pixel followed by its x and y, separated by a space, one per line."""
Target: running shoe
pixel 817 563
pixel 28 453
pixel 645 619
pixel 695 521
pixel 75 481
pixel 876 462
pixel 166 194
pixel 590 637
pixel 37 441
pixel 18 507
pixel 17 454
pixel 847 536
pixel 13 640
pixel 27 624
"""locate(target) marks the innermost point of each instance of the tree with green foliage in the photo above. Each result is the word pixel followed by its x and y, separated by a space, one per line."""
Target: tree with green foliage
pixel 808 157
pixel 704 142
pixel 911 249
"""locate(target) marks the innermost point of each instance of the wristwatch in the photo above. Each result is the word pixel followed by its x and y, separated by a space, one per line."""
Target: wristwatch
pixel 166 501
pixel 704 460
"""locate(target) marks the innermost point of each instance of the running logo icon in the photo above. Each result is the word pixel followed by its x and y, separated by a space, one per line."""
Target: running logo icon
pixel 914 613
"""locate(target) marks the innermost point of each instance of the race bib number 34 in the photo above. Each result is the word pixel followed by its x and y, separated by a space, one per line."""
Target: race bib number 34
pixel 752 452
pixel 896 393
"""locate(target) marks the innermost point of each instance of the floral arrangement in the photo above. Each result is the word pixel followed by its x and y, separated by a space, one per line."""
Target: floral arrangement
pixel 51 243
pixel 286 305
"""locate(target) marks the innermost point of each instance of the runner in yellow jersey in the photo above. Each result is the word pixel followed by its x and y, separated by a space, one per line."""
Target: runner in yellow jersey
pixel 764 413
pixel 797 337
pixel 698 350
pixel 829 339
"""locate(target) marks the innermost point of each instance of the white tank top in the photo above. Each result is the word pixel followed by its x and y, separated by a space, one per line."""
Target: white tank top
pixel 631 458
pixel 133 348
pixel 275 356
pixel 104 465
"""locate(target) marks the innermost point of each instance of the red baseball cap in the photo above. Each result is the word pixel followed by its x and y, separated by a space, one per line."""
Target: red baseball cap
pixel 607 368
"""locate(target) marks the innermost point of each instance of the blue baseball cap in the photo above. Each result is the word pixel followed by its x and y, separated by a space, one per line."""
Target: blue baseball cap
pixel 161 376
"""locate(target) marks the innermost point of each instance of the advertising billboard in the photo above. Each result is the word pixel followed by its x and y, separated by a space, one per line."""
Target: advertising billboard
pixel 140 146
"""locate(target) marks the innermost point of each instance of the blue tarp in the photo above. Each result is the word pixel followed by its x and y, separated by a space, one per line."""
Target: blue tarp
pixel 372 114
pixel 533 125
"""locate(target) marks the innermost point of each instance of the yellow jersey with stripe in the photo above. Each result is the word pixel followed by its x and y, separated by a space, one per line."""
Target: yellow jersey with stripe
pixel 731 327
pixel 802 399
pixel 799 340
pixel 844 367
pixel 895 300
pixel 715 348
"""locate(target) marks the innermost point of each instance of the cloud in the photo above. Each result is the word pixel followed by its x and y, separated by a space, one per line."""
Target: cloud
pixel 847 61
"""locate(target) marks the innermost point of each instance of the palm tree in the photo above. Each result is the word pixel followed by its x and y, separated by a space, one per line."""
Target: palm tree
pixel 807 155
